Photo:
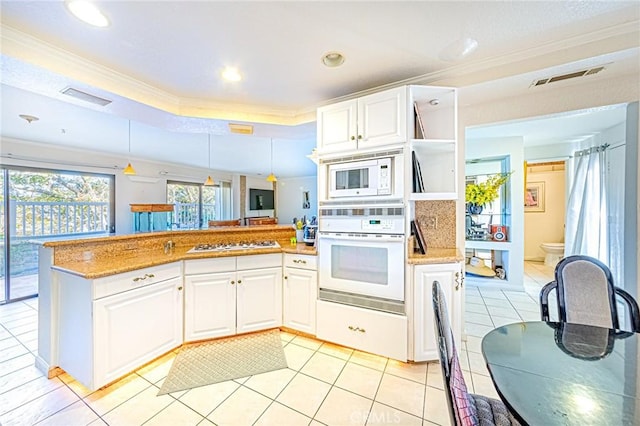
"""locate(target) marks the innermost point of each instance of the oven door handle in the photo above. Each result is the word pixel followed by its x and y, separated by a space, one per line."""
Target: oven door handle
pixel 394 238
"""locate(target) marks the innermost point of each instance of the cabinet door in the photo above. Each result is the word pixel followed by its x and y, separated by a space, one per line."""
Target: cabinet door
pixel 259 299
pixel 449 276
pixel 382 118
pixel 134 327
pixel 209 306
pixel 337 128
pixel 300 293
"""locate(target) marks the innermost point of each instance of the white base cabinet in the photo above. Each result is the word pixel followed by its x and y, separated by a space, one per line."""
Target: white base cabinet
pixel 210 305
pixel 449 275
pixel 300 291
pixel 231 295
pixel 111 326
pixel 372 331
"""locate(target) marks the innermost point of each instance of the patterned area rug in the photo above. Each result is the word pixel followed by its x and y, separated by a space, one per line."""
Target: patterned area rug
pixel 206 363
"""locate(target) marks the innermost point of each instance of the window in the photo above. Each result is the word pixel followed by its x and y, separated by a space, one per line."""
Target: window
pixel 195 204
pixel 38 204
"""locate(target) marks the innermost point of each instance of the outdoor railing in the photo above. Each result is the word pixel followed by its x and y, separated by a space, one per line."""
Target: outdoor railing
pixel 47 218
pixel 44 218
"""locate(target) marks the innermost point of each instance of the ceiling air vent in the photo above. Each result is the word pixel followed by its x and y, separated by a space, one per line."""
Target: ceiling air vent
pixel 568 76
pixel 242 129
pixel 78 94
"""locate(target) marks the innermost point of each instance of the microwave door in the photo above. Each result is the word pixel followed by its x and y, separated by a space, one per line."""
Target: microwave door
pixel 353 182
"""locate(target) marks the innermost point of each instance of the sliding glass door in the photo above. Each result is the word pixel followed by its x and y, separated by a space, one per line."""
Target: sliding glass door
pixel 40 205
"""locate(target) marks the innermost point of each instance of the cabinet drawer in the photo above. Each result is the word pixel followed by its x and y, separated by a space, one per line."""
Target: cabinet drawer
pixel 206 266
pixel 259 261
pixel 118 283
pixel 380 333
pixel 301 261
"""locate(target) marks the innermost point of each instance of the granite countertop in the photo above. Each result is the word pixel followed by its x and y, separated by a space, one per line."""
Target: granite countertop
pixel 436 255
pixel 74 240
pixel 93 268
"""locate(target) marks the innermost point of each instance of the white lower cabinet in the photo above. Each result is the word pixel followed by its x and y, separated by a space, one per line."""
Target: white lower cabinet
pixel 300 291
pixel 449 275
pixel 232 295
pixel 372 331
pixel 135 327
pixel 209 306
pixel 113 325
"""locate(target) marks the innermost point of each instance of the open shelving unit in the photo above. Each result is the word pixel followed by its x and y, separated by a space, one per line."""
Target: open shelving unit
pixel 433 125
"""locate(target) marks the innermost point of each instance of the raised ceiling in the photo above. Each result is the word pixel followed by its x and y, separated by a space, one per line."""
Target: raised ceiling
pixel 159 62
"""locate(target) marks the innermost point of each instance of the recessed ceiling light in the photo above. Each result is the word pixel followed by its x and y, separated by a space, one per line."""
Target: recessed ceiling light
pixel 87 12
pixel 231 74
pixel 333 59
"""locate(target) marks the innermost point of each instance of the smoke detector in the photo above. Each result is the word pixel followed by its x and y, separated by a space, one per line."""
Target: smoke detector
pixel 561 77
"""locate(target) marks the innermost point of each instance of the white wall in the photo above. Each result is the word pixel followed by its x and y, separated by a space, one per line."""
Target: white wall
pixel 547 226
pixel 290 198
pixel 127 190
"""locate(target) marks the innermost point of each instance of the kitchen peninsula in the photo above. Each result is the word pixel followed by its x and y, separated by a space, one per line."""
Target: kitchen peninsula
pixel 110 304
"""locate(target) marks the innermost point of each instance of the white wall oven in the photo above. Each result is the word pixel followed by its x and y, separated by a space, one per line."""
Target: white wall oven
pixel 368 176
pixel 361 257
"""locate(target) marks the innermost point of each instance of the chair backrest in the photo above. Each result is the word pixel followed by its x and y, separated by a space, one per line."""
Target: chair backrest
pixel 461 409
pixel 262 220
pixel 585 292
pixel 234 222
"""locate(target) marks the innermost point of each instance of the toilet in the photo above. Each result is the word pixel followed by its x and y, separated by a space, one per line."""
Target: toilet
pixel 553 253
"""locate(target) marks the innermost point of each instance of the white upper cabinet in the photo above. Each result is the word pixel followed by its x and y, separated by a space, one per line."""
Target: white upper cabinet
pixel 367 122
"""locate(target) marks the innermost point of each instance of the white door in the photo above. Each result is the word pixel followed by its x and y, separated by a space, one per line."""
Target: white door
pixel 209 306
pixel 382 118
pixel 300 293
pixel 259 299
pixel 449 276
pixel 337 127
pixel 134 327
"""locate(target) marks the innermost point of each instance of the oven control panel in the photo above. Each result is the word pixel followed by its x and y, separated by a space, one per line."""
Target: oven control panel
pixel 373 225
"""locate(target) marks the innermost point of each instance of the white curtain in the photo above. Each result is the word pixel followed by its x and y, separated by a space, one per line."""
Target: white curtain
pixel 586 223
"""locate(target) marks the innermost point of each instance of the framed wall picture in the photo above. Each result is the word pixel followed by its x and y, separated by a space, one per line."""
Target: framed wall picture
pixel 534 197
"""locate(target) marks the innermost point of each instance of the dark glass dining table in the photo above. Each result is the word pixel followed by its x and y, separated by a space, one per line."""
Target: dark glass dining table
pixel 566 374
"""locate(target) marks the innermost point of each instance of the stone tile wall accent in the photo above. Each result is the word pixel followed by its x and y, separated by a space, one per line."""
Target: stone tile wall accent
pixel 444 236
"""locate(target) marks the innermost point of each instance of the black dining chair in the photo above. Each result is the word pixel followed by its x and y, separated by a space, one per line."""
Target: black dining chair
pixel 586 295
pixel 464 408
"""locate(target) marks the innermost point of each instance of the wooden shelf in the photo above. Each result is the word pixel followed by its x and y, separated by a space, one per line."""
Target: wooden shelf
pixel 142 208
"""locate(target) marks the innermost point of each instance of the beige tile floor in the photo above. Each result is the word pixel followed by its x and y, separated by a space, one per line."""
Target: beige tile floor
pixel 324 384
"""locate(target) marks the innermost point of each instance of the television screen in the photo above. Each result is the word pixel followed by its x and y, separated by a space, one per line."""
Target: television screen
pixel 261 199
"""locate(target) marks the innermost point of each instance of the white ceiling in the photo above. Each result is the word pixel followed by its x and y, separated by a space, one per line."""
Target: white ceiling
pixel 159 62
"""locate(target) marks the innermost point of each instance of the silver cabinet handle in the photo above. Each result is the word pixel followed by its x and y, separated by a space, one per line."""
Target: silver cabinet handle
pixel 458 281
pixel 361 330
pixel 304 262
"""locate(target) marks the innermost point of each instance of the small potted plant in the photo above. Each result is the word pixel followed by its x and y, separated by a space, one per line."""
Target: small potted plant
pixel 477 195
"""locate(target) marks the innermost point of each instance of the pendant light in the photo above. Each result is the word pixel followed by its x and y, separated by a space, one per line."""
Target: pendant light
pixel 209 181
pixel 272 177
pixel 129 170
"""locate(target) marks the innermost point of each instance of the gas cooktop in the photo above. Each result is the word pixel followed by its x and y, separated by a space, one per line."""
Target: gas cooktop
pixel 244 245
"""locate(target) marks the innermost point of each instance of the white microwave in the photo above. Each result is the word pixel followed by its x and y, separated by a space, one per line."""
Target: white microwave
pixel 361 178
